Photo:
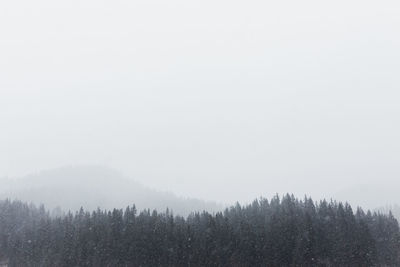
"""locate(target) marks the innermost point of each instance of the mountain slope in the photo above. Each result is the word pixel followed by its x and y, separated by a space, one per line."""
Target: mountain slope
pixel 94 186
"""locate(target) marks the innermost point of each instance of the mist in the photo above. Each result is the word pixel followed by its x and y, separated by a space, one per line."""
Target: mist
pixel 216 100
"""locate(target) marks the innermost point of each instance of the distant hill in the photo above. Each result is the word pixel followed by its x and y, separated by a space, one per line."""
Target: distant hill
pixel 95 186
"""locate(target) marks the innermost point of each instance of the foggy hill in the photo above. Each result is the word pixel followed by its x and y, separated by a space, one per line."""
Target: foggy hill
pixel 91 187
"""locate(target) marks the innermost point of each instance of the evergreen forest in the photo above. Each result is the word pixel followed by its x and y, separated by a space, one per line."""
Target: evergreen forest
pixel 282 231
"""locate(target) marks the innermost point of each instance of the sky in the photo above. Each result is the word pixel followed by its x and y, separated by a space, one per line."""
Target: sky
pixel 220 100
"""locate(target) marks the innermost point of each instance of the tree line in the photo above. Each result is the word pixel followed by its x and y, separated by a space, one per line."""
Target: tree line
pixel 283 231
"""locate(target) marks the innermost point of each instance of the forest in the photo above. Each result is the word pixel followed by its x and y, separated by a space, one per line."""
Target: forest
pixel 282 231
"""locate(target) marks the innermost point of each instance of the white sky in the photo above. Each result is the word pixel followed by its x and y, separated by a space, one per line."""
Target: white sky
pixel 222 100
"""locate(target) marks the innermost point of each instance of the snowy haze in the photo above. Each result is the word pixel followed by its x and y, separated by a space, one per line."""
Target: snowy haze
pixel 219 100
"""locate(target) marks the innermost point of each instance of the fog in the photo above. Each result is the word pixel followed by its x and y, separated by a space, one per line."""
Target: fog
pixel 217 100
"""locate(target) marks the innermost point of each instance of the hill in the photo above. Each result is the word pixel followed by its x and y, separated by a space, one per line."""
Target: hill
pixel 90 187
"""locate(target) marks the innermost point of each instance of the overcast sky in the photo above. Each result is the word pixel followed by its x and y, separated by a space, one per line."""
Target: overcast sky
pixel 222 100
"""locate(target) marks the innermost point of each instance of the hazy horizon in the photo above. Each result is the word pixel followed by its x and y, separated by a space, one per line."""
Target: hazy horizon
pixel 270 97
